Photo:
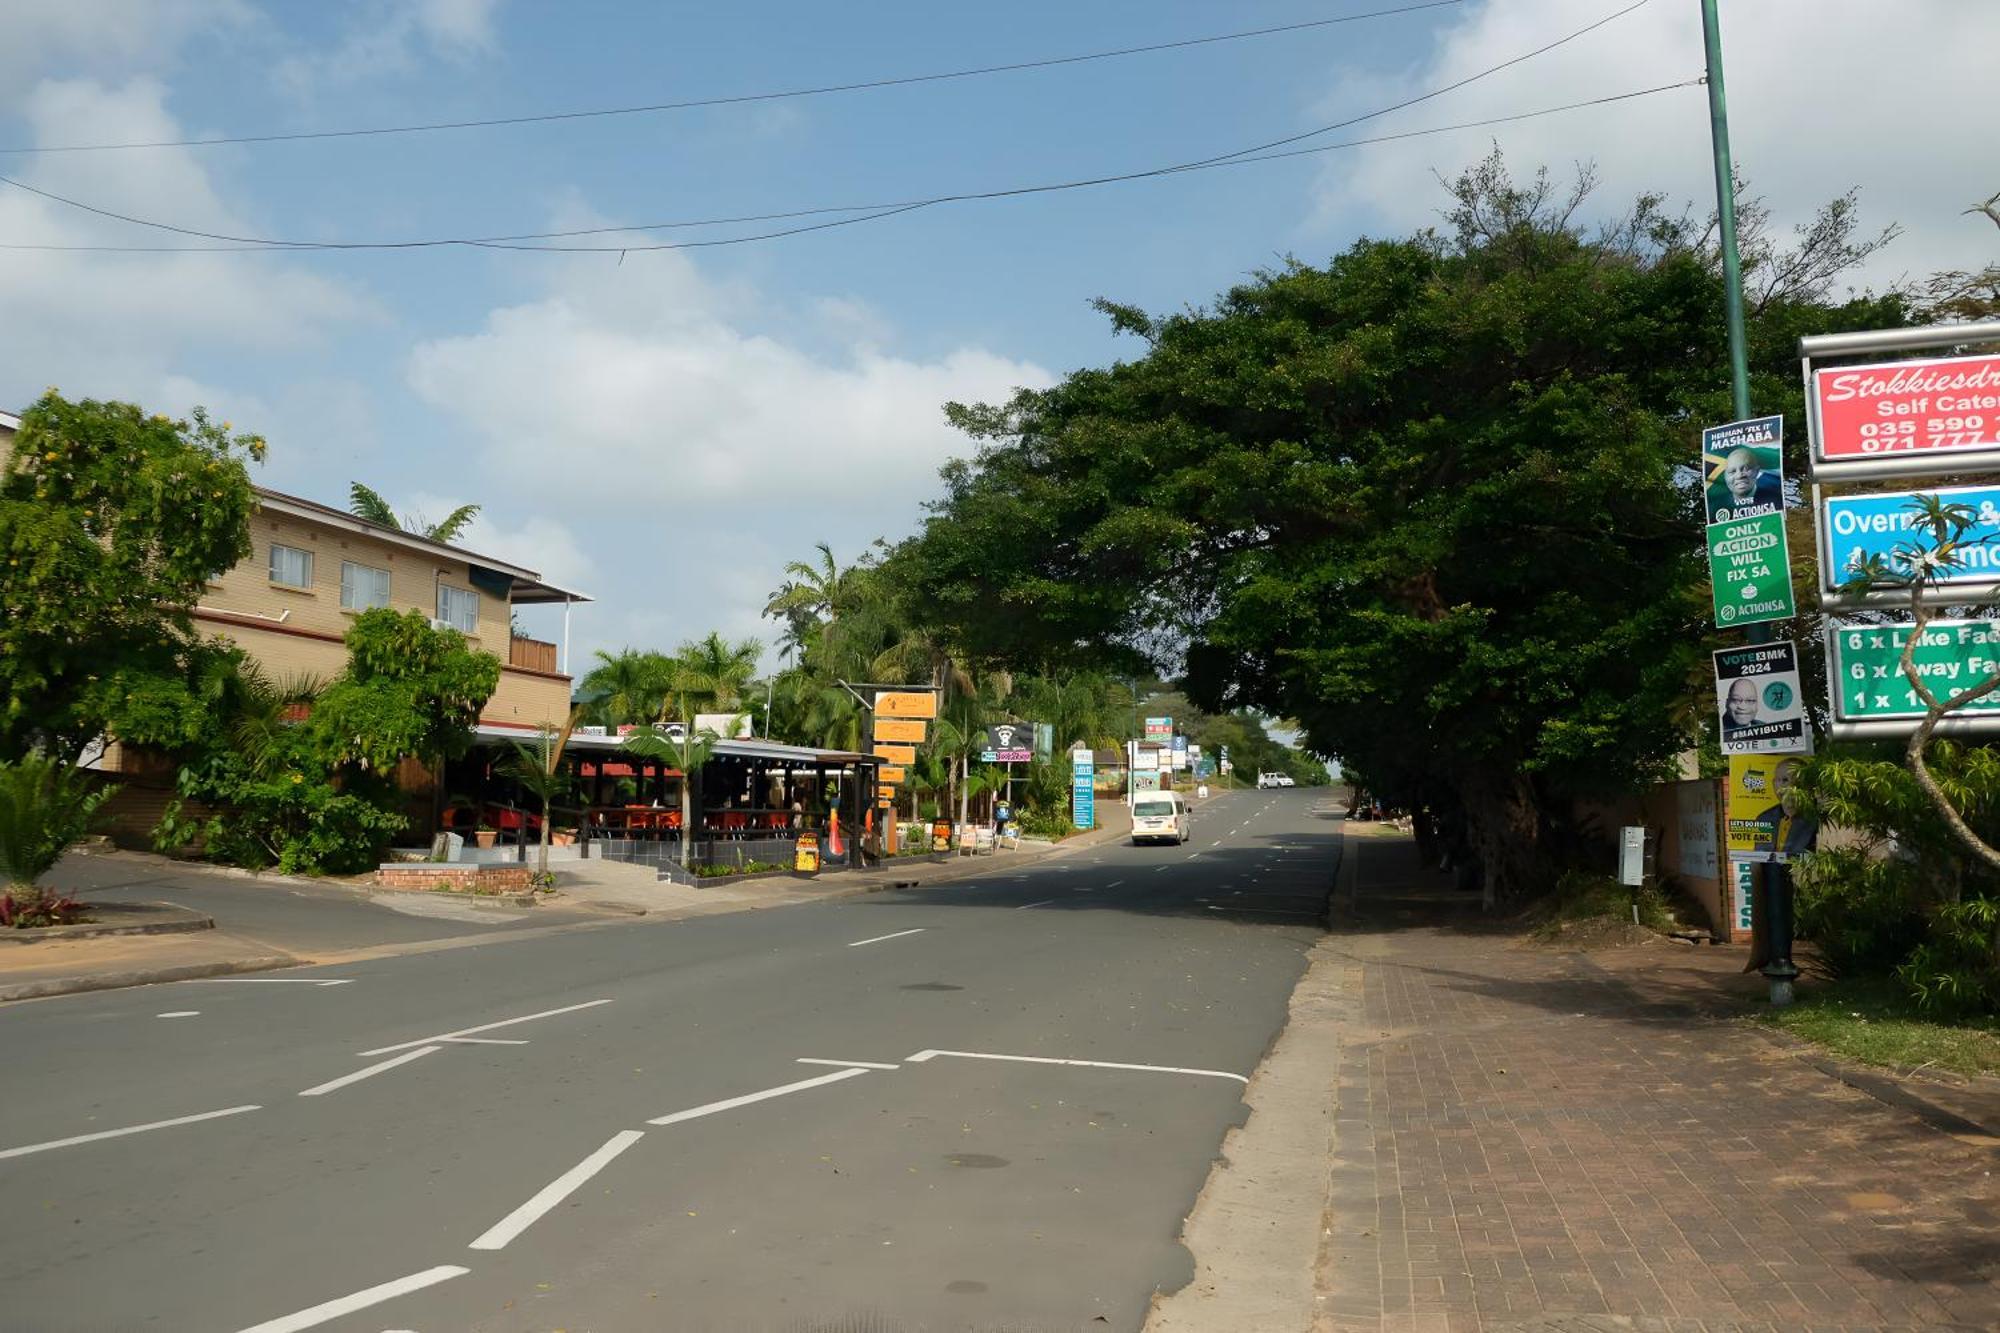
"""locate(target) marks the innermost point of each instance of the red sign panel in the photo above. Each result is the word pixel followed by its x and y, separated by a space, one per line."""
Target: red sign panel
pixel 1943 405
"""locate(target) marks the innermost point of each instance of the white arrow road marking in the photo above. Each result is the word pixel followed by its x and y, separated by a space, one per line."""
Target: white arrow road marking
pixel 485 1027
pixel 360 1300
pixel 370 1072
pixel 553 1193
pixel 921 1056
pixel 117 1133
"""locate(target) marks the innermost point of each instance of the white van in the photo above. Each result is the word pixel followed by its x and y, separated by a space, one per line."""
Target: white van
pixel 1159 816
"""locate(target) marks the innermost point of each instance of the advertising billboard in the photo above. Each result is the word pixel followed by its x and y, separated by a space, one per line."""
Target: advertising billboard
pixel 1879 530
pixel 1935 414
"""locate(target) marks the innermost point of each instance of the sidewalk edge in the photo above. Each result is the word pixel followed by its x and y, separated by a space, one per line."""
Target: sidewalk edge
pixel 37 990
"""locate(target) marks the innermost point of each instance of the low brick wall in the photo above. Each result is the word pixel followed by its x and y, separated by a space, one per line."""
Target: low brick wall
pixel 454 876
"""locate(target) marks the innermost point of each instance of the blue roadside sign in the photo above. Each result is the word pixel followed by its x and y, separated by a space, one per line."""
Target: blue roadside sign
pixel 1857 529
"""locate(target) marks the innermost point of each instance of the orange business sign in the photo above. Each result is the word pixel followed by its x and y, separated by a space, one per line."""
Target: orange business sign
pixel 888 775
pixel 914 703
pixel 898 729
pixel 897 754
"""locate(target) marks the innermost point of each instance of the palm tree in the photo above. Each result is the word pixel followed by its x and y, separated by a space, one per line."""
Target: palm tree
pixel 687 754
pixel 537 767
pixel 717 673
pixel 365 502
pixel 626 687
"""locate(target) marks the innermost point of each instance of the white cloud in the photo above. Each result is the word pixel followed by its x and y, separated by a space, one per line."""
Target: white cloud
pixel 390 40
pixel 1824 95
pixel 106 37
pixel 694 449
pixel 105 324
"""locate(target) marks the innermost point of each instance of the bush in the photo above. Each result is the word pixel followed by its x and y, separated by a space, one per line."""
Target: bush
pixel 1861 912
pixel 1583 895
pixel 45 807
pixel 1050 824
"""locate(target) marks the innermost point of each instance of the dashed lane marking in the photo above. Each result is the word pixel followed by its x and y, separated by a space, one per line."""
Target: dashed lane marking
pixel 856 944
pixel 360 1300
pixel 484 1027
pixel 25 1149
pixel 496 1236
pixel 922 1056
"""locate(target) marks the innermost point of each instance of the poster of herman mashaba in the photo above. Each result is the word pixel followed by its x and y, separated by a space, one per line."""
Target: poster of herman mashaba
pixel 1743 468
pixel 1757 695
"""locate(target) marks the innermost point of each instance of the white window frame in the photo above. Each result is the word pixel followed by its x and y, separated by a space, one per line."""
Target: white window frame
pixel 350 588
pixel 468 626
pixel 306 558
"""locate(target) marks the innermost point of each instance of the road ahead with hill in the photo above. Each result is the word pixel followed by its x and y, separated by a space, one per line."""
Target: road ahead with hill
pixel 984 1105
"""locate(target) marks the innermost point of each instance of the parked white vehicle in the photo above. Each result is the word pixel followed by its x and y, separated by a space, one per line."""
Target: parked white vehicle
pixel 1275 780
pixel 1159 816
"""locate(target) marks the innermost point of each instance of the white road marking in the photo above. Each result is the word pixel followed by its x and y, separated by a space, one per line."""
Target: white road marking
pixel 485 1027
pixel 553 1193
pixel 846 1064
pixel 879 938
pixel 1043 903
pixel 268 981
pixel 117 1133
pixel 180 1013
pixel 1268 911
pixel 921 1056
pixel 696 1112
pixel 1114 883
pixel 370 1072
pixel 485 1041
pixel 1216 843
pixel 360 1300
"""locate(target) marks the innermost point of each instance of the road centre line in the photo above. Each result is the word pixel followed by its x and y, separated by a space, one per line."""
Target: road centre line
pixel 496 1236
pixel 360 1300
pixel 370 1072
pixel 846 1064
pixel 923 1056
pixel 269 981
pixel 485 1027
pixel 25 1149
pixel 711 1108
pixel 856 944
pixel 485 1041
pixel 1043 903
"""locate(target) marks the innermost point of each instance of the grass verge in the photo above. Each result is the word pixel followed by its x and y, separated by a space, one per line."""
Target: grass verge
pixel 1873 1023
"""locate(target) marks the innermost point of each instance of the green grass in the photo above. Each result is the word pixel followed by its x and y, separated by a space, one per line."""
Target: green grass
pixel 1872 1022
pixel 1585 897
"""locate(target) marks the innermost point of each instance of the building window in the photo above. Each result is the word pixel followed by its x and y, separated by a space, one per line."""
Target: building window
pixel 363 586
pixel 458 608
pixel 291 566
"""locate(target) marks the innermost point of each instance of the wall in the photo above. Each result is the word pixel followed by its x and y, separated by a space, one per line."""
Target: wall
pixel 1684 819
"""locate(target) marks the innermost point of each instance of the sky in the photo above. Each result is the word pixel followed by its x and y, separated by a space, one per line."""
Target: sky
pixel 665 430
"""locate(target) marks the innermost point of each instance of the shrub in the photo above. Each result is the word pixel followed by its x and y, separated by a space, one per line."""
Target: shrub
pixel 1862 912
pixel 1050 824
pixel 45 807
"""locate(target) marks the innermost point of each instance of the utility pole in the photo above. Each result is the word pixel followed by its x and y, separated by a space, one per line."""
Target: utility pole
pixel 1770 883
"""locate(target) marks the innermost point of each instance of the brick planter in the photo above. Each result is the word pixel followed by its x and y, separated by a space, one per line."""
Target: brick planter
pixel 454 877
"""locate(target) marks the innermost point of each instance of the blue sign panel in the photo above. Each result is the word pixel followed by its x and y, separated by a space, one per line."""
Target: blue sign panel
pixel 1858 528
pixel 1083 793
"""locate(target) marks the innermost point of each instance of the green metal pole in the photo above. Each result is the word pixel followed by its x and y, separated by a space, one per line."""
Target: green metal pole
pixel 1725 210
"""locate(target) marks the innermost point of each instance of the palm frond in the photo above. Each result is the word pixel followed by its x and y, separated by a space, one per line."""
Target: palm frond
pixel 365 502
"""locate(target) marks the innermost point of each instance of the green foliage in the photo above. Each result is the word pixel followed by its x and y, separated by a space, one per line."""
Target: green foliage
pixel 365 502
pixel 409 690
pixel 1430 500
pixel 1862 912
pixel 111 524
pixel 45 807
pixel 1875 1022
pixel 1052 824
pixel 1586 896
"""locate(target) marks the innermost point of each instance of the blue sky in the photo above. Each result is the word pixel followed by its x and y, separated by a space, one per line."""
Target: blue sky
pixel 666 432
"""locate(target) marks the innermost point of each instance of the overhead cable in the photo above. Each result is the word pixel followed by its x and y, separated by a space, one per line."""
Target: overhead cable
pixel 737 99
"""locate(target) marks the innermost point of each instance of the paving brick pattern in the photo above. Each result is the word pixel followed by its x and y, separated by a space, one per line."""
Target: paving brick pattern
pixel 1525 1141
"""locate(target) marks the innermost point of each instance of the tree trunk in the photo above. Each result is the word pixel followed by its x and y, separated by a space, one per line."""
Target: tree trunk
pixel 542 866
pixel 1503 818
pixel 964 786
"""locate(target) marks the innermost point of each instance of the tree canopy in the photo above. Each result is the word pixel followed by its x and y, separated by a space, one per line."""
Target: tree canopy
pixel 1432 499
pixel 111 524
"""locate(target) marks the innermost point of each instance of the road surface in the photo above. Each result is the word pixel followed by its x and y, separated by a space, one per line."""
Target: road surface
pixel 983 1106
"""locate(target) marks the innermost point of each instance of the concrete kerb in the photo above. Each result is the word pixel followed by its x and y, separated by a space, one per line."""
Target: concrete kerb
pixel 72 985
pixel 171 920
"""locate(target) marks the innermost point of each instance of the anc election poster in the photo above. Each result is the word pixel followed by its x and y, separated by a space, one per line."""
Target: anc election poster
pixel 1757 695
pixel 1761 828
pixel 1743 468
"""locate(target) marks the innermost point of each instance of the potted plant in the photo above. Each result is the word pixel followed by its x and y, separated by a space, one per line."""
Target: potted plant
pixel 563 837
pixel 485 835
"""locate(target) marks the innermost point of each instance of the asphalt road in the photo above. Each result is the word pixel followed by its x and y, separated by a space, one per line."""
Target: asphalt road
pixel 983 1106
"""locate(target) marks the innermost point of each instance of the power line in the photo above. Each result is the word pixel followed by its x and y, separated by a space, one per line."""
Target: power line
pixel 740 98
pixel 875 211
pixel 524 241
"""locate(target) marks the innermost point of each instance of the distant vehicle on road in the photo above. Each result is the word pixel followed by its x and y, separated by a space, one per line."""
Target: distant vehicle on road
pixel 1275 780
pixel 1160 816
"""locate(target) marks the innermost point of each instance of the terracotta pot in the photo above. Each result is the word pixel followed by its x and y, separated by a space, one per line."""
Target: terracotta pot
pixel 486 837
pixel 562 839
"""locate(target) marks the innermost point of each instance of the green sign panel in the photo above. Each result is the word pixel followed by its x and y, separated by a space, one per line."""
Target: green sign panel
pixel 1952 657
pixel 1750 569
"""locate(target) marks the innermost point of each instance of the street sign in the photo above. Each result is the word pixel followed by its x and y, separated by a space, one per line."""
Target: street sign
pixel 1010 743
pixel 1853 529
pixel 1083 788
pixel 1758 699
pixel 1871 696
pixel 1159 728
pixel 1921 417
pixel 899 729
pixel 1750 569
pixel 913 703
pixel 897 754
pixel 889 775
pixel 1743 468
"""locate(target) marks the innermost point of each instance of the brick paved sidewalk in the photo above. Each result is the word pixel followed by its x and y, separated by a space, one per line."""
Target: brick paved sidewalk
pixel 1525 1141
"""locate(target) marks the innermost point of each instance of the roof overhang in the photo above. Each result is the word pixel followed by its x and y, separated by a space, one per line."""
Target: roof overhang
pixel 801 756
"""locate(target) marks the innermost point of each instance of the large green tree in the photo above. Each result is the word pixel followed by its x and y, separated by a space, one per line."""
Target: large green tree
pixel 111 524
pixel 1432 500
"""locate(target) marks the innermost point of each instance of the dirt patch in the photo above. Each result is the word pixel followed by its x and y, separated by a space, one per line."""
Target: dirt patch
pixel 1598 932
